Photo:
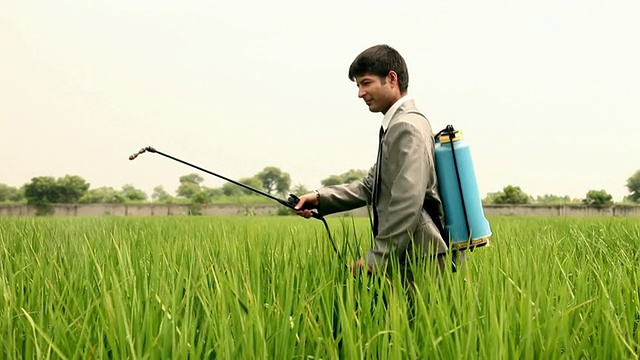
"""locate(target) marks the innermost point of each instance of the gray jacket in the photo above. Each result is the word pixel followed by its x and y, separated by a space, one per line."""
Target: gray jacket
pixel 407 177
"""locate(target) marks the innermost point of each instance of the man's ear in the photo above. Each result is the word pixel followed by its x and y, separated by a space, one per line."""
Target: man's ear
pixel 392 77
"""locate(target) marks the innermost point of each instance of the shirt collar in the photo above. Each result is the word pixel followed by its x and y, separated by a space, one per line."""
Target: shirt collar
pixel 392 110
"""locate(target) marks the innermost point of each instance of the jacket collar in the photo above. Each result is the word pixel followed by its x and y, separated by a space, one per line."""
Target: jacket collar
pixel 393 109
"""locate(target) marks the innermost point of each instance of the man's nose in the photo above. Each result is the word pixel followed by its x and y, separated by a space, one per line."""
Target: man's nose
pixel 361 92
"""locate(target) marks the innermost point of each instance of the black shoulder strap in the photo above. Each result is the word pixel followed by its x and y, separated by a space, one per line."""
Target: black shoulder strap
pixel 431 207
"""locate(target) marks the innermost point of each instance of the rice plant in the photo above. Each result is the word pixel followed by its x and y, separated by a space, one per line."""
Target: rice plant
pixel 273 288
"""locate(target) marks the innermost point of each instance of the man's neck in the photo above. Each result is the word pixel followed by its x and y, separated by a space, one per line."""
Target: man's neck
pixel 393 101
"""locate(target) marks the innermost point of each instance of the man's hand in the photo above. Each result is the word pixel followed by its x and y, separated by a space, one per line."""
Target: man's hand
pixel 311 198
pixel 358 266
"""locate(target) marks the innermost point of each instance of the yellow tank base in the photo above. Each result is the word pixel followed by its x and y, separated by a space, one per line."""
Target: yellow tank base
pixel 470 244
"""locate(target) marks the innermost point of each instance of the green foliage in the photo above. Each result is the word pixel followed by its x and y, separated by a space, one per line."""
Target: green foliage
pixel 628 201
pixel 160 195
pixel 41 192
pixel 491 198
pixel 71 188
pixel 189 185
pixel 45 190
pixel 230 189
pixel 344 178
pixel 44 209
pixel 300 189
pixel 332 180
pixel 598 198
pixel 130 193
pixel 103 195
pixel 191 188
pixel 512 195
pixel 200 198
pixel 633 184
pixel 212 193
pixel 6 191
pixel 195 208
pixel 242 199
pixel 41 189
pixel 550 199
pixel 18 196
pixel 274 180
pixel 10 193
pixel 254 182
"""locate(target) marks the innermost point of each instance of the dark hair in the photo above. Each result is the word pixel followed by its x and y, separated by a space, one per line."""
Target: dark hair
pixel 379 60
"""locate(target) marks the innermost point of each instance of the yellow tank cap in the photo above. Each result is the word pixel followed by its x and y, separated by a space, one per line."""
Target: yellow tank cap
pixel 444 138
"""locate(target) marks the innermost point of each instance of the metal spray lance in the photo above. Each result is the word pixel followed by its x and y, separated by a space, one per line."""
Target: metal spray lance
pixel 290 203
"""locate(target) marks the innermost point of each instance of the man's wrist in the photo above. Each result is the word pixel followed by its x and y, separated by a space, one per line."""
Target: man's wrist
pixel 317 195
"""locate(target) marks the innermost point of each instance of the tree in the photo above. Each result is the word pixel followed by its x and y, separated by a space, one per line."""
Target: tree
pixel 598 198
pixel 300 189
pixel 230 189
pixel 344 178
pixel 103 195
pixel 353 175
pixel 633 184
pixel 200 198
pixel 331 180
pixel 45 190
pixel 550 199
pixel 491 197
pixel 129 192
pixel 212 193
pixel 161 195
pixel 18 195
pixel 7 193
pixel 41 190
pixel 189 185
pixel 253 182
pixel 274 180
pixel 512 195
pixel 71 188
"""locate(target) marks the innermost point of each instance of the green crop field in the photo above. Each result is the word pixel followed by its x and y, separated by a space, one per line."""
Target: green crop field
pixel 273 288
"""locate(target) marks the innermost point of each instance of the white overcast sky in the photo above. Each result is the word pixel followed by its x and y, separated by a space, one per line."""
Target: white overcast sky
pixel 546 92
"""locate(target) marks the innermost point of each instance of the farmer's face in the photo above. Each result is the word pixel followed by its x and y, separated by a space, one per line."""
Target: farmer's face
pixel 377 92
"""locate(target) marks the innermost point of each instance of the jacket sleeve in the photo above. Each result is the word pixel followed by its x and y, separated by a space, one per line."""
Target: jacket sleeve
pixel 344 197
pixel 408 165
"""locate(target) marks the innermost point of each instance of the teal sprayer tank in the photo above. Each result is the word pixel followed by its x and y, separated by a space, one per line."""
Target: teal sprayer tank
pixel 464 216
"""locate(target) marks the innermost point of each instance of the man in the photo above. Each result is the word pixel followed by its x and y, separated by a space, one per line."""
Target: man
pixel 403 178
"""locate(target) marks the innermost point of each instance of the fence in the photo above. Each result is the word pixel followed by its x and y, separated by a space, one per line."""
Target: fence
pixel 272 209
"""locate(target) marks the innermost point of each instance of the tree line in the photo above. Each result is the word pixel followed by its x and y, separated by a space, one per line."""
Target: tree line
pixel 43 191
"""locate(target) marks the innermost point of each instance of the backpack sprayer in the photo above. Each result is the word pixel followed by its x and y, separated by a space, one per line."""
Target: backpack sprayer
pixel 465 226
